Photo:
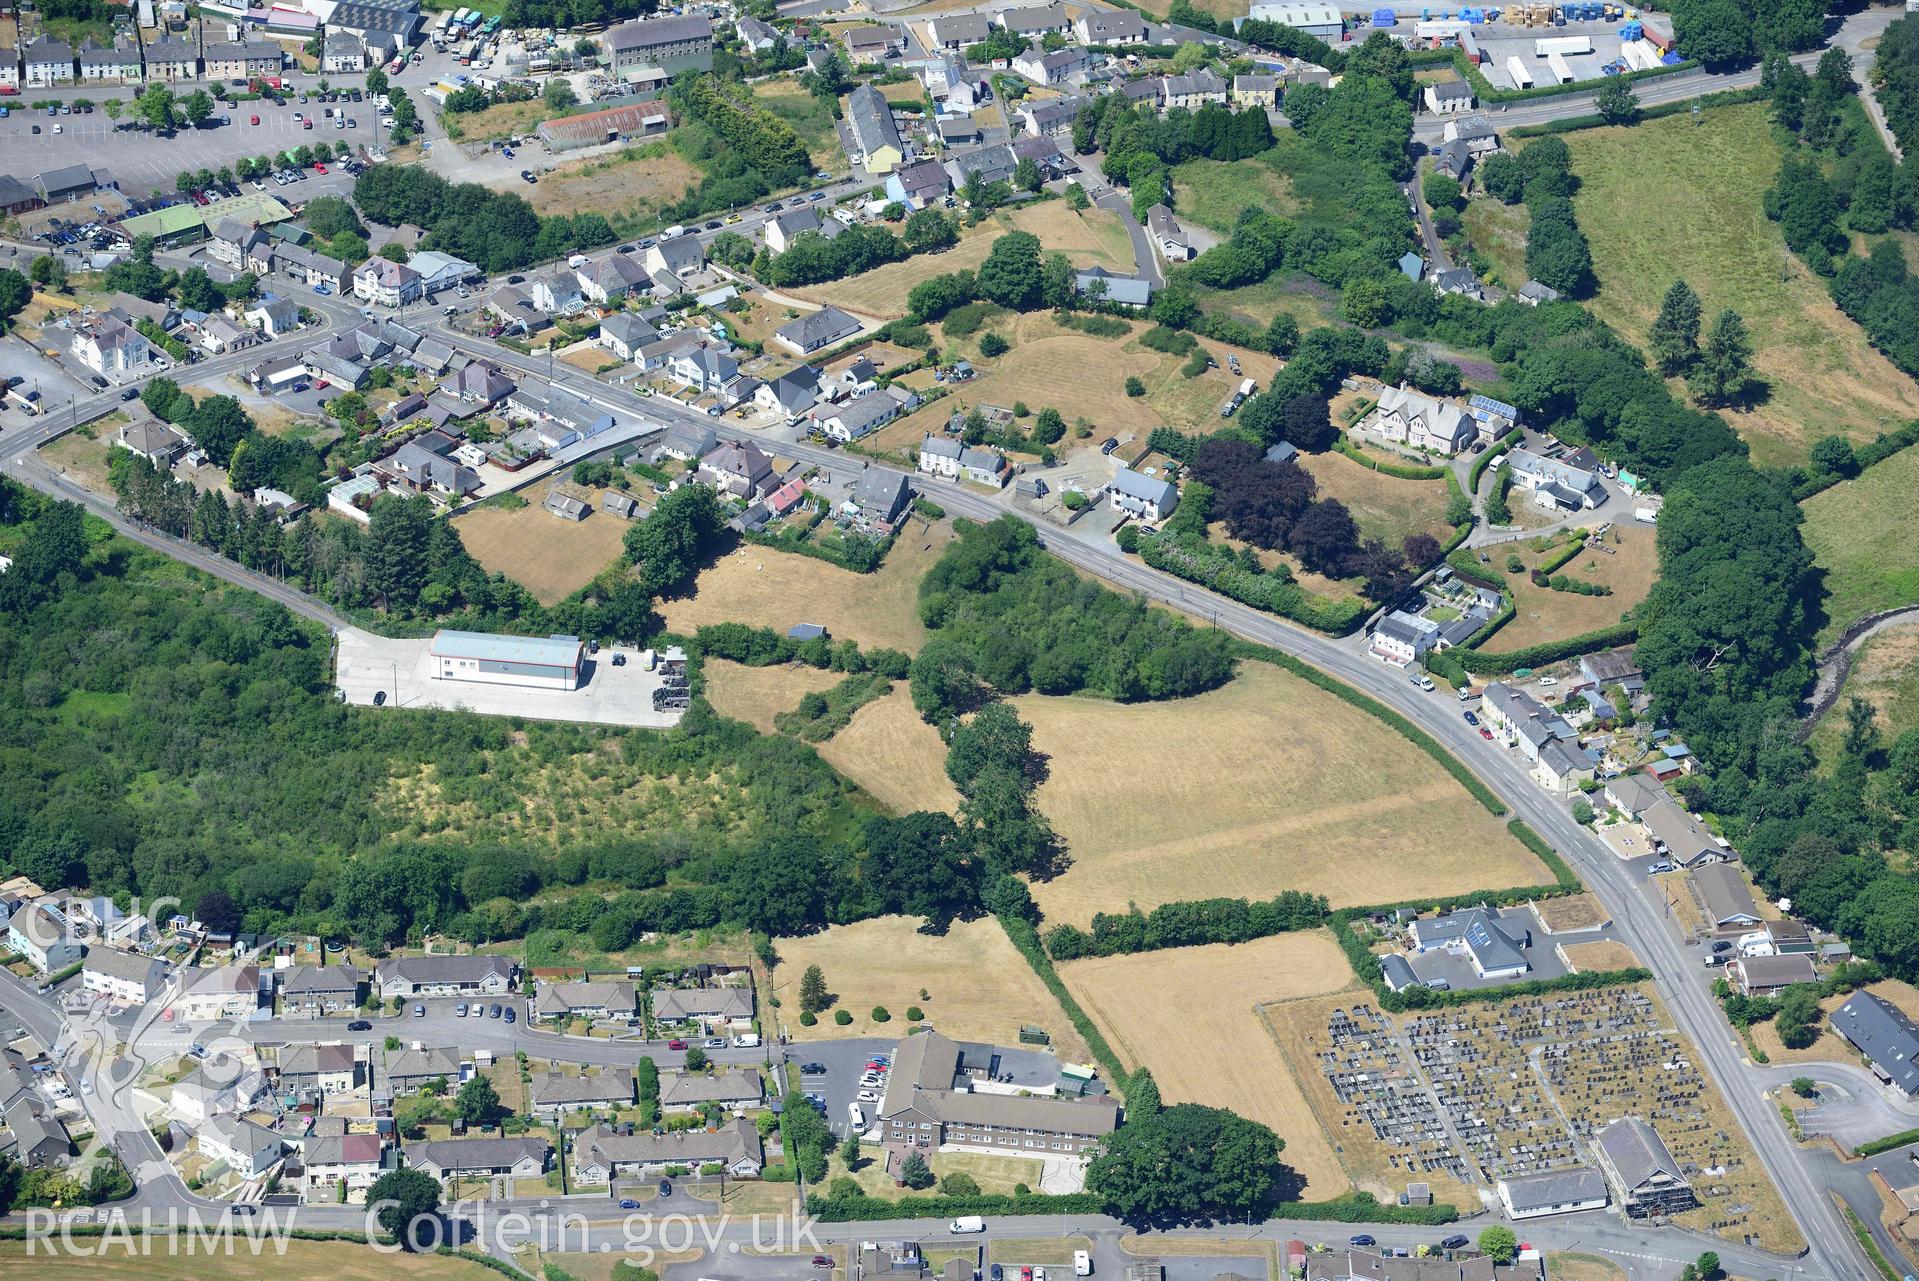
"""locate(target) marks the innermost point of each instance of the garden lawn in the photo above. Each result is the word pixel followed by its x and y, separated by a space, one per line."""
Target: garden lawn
pixel 1191 1014
pixel 1708 226
pixel 1885 672
pixel 1543 614
pixel 1266 784
pixel 1864 535
pixel 978 987
pixel 1385 507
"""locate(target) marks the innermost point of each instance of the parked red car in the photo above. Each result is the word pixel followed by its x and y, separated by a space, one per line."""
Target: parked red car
pixel 676 1044
pixel 318 167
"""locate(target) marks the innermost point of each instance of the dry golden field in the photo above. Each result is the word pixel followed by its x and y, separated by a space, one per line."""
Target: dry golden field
pixel 1322 798
pixel 978 987
pixel 897 757
pixel 1543 614
pixel 290 1261
pixel 766 588
pixel 757 694
pixel 550 556
pixel 1191 1014
pixel 1605 954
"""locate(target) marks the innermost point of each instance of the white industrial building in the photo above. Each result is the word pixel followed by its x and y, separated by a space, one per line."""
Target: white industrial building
pixel 1315 19
pixel 551 662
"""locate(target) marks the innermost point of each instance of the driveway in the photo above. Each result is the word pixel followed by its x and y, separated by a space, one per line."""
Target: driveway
pixel 400 669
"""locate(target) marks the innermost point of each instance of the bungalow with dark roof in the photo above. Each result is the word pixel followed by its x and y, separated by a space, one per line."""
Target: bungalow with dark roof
pixel 816 330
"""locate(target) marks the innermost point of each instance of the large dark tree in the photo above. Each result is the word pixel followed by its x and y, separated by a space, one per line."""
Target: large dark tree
pixel 1325 538
pixel 216 911
pixel 407 1204
pixel 1258 501
pixel 667 546
pixel 1186 1164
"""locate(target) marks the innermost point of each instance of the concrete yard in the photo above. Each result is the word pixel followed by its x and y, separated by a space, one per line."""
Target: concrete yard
pixel 142 162
pixel 368 664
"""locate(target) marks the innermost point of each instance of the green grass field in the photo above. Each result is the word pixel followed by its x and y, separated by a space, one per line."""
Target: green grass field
pixel 1282 291
pixel 1706 223
pixel 1291 179
pixel 1212 192
pixel 1885 673
pixel 1865 536
pixel 1499 231
pixel 810 118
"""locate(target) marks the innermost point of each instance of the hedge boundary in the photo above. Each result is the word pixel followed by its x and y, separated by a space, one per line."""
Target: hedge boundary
pixel 1218 570
pixel 1870 454
pixel 1379 711
pixel 1548 652
pixel 1658 111
pixel 860 1209
pixel 1887 1144
pixel 1345 446
pixel 1504 445
pixel 1025 937
pixel 1359 1207
pixel 1559 558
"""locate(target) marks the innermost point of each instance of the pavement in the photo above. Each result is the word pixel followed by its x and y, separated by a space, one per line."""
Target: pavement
pixel 402 670
pixel 142 162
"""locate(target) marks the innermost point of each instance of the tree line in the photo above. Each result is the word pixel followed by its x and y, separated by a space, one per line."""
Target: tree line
pixel 497 231
pixel 1008 618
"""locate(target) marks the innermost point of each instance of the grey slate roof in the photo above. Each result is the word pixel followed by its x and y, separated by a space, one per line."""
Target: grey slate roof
pixel 1884 1034
pixel 475 1154
pixel 1555 1187
pixel 733 1142
pixel 870 118
pixel 627 328
pixel 1148 489
pixel 1636 1152
pixel 818 329
pixel 724 1086
pixel 882 492
pixel 652 33
pixel 573 1089
pixel 1727 899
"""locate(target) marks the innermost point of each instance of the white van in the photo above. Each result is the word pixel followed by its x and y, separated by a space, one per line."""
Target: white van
pixel 577 260
pixel 746 1041
pixel 965 1224
pixel 1082 1264
pixel 672 233
pixel 856 1115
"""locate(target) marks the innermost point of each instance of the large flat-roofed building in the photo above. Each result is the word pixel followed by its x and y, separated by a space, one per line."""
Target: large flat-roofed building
pixel 550 662
pixel 922 1108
